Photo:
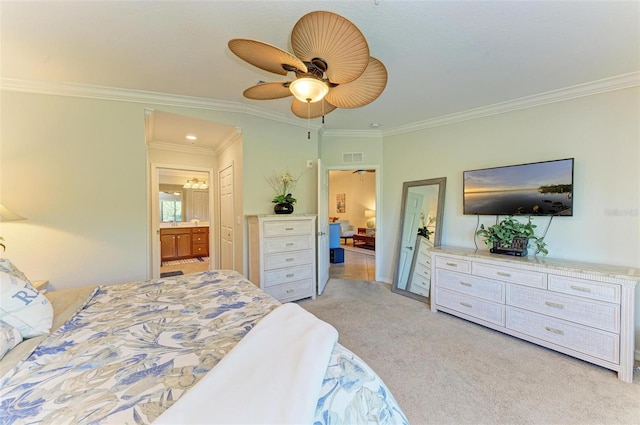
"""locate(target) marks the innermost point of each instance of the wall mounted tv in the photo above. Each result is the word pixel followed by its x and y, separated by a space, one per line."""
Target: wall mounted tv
pixel 539 188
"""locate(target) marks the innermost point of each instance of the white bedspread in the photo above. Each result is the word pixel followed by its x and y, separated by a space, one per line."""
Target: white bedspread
pixel 272 376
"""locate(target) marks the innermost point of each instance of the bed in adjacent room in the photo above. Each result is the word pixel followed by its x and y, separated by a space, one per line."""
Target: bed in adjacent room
pixel 200 348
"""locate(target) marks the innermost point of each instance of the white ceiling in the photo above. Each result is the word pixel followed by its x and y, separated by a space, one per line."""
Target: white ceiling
pixel 442 57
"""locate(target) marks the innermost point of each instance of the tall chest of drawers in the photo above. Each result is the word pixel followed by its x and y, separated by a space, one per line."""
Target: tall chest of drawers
pixel 581 309
pixel 282 255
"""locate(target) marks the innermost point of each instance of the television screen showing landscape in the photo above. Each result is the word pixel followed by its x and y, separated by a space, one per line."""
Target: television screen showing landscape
pixel 541 188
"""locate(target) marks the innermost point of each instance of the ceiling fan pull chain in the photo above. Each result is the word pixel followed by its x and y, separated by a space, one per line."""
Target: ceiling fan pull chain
pixel 308 119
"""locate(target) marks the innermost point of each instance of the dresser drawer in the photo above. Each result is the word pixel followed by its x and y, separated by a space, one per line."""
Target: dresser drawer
pixel 292 291
pixel 200 238
pixel 600 344
pixel 487 289
pixel 282 228
pixel 290 274
pixel 585 288
pixel 288 243
pixel 507 274
pixel 484 310
pixel 578 310
pixel 199 230
pixel 462 266
pixel 200 249
pixel 422 270
pixel 287 259
pixel 420 285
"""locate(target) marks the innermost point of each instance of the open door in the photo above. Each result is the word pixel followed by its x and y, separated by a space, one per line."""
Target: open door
pixel 409 236
pixel 323 227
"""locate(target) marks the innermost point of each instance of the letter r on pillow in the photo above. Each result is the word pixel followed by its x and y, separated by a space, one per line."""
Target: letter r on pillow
pixel 24 297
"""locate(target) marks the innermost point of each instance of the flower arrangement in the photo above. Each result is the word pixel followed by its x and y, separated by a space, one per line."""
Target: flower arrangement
pixel 283 184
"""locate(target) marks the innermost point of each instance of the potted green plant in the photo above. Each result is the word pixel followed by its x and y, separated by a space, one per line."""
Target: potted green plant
pixel 511 236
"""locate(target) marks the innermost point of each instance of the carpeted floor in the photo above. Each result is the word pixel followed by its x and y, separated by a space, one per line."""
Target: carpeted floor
pixel 444 370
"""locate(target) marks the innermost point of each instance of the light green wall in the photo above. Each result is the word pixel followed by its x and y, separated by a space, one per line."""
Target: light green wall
pixel 76 169
pixel 602 133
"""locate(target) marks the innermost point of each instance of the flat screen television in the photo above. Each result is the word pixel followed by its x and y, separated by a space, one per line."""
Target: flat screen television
pixel 539 188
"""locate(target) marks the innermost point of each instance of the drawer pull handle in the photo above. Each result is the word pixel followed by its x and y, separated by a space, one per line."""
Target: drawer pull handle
pixel 426 272
pixel 289 244
pixel 289 259
pixel 505 274
pixel 554 305
pixel 452 264
pixel 465 284
pixel 554 330
pixel 290 275
pixel 465 304
pixel 580 288
pixel 288 228
pixel 289 291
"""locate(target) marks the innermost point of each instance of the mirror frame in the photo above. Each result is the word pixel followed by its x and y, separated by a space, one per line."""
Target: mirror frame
pixel 441 182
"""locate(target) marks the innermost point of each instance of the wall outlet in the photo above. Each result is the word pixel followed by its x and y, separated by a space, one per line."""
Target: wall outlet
pixel 309 163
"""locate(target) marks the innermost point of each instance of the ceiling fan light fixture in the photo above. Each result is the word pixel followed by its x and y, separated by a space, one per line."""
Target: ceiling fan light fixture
pixel 309 90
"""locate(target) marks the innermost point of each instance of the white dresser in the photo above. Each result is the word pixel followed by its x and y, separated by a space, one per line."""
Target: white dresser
pixel 584 310
pixel 420 275
pixel 282 255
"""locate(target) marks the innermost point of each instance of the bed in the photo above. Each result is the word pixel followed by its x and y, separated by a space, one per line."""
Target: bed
pixel 199 348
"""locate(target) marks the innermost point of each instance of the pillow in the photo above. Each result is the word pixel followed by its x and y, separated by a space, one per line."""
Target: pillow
pixel 24 307
pixel 8 267
pixel 9 338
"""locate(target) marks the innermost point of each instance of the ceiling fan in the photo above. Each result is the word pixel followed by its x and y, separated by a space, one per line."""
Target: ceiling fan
pixel 332 66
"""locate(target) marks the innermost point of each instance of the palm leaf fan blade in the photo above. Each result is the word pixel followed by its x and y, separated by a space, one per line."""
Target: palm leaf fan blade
pixel 265 56
pixel 268 91
pixel 362 91
pixel 333 39
pixel 311 110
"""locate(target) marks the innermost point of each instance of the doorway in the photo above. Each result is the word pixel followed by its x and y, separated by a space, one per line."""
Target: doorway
pixel 181 218
pixel 353 195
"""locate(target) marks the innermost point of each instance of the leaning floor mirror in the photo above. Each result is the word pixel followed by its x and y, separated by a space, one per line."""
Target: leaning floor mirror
pixel 420 230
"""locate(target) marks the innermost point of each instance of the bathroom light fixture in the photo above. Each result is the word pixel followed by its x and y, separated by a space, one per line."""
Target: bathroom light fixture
pixel 196 184
pixel 191 137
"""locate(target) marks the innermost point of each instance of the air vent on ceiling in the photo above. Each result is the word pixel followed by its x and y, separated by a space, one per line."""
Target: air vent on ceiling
pixel 352 157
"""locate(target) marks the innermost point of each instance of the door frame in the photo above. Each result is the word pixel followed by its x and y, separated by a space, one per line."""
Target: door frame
pixel 379 212
pixel 154 225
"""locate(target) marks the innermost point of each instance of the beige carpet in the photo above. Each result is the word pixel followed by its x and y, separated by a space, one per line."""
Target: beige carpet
pixel 444 370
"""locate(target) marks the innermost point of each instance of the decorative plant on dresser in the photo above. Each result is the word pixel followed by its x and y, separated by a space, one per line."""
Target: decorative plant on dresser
pixel 512 237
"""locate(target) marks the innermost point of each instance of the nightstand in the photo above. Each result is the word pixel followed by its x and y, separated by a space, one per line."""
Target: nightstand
pixel 40 285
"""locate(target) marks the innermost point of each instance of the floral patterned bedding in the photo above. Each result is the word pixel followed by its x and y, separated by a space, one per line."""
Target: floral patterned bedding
pixel 136 348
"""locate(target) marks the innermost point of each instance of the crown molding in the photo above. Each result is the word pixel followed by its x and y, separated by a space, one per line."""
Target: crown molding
pixel 581 90
pixel 139 96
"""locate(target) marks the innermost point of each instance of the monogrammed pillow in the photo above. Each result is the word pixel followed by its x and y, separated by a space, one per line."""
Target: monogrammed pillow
pixel 24 307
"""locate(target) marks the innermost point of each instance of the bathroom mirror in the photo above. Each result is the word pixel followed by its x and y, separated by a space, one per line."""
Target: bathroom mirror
pixel 420 229
pixel 178 204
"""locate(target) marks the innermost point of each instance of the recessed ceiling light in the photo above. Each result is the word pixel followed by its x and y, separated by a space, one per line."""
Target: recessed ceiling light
pixel 191 137
pixel 375 125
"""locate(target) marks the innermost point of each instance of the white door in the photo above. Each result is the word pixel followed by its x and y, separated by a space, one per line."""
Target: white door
pixel 323 227
pixel 225 181
pixel 409 236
